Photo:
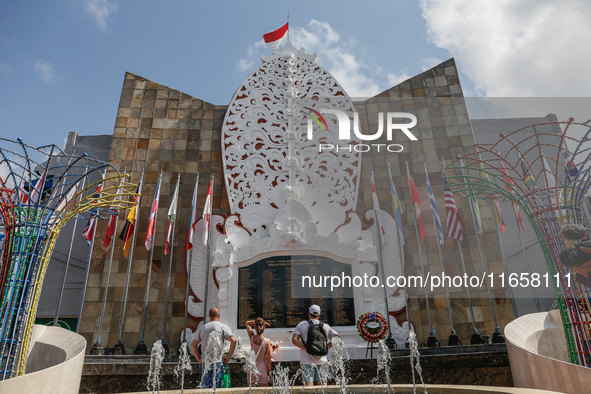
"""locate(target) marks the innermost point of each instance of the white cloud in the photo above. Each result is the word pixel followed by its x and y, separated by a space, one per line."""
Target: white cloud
pixel 46 71
pixel 5 70
pixel 101 10
pixel 359 77
pixel 516 47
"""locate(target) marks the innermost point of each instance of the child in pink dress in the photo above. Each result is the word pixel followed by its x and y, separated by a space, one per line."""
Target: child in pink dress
pixel 261 346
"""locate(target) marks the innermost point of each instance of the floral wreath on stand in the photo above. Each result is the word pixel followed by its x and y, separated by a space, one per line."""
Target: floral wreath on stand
pixel 372 326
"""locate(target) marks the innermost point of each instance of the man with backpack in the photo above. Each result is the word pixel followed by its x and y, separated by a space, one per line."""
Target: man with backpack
pixel 312 337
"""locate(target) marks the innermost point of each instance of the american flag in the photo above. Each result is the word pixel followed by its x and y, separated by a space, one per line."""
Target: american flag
pixel 454 221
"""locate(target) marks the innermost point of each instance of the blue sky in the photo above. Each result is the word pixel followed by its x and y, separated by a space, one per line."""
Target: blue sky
pixel 62 62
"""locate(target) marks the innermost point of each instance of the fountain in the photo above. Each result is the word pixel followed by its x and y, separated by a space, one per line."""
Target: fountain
pixel 415 365
pixel 383 361
pixel 214 351
pixel 183 366
pixel 156 358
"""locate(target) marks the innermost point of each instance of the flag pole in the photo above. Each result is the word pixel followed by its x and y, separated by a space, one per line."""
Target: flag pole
pixel 380 259
pixel 178 178
pixel 207 257
pixel 476 337
pixel 503 256
pixel 497 333
pixel 432 333
pixel 98 335
pixel 453 339
pixel 119 347
pixel 96 348
pixel 288 39
pixel 189 266
pixel 401 253
pixel 141 346
pixel 95 225
pixel 63 284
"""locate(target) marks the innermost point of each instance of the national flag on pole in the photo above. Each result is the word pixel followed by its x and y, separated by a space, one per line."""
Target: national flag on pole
pixel 434 211
pixel 207 211
pixel 571 168
pixel 152 222
pixel 508 181
pixel 497 213
pixel 275 38
pixel 454 221
pixel 38 188
pixel 416 200
pixel 127 232
pixel 397 208
pixel 376 206
pixel 192 217
pixel 68 200
pixel 171 215
pixel 88 231
pixel 496 205
pixel 111 227
pixel 527 178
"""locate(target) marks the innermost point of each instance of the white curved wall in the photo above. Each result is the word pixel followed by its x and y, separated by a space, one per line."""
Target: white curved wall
pixel 539 358
pixel 54 365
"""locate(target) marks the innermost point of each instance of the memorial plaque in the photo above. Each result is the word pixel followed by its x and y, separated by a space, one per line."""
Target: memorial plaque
pixel 272 289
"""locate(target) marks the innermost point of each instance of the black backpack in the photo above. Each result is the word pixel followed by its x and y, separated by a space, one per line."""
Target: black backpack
pixel 317 343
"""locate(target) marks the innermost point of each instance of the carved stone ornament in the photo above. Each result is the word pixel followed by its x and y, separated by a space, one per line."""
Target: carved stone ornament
pixel 267 156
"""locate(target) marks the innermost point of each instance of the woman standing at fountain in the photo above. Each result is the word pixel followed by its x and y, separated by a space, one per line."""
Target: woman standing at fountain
pixel 261 346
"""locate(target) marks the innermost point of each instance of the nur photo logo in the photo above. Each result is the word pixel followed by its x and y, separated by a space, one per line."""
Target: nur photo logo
pixel 395 122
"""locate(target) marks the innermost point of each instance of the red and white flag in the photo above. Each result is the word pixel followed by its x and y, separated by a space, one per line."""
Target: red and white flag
pixel 207 211
pixel 152 221
pixel 376 205
pixel 274 38
pixel 192 217
pixel 416 200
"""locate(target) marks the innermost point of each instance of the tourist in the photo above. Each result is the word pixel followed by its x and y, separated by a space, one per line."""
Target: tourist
pixel 261 346
pixel 312 337
pixel 202 336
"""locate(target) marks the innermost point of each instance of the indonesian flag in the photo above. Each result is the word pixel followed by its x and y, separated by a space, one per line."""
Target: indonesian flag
pixel 192 217
pixel 276 37
pixel 152 221
pixel 171 215
pixel 207 211
pixel 416 200
pixel 376 205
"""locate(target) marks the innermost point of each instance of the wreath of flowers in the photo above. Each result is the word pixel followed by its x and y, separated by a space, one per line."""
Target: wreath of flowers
pixel 372 326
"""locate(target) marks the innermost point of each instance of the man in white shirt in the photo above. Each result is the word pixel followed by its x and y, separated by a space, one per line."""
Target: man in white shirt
pixel 311 364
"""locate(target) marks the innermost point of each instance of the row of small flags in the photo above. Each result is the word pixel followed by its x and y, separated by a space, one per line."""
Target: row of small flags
pixel 454 221
pixel 128 228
